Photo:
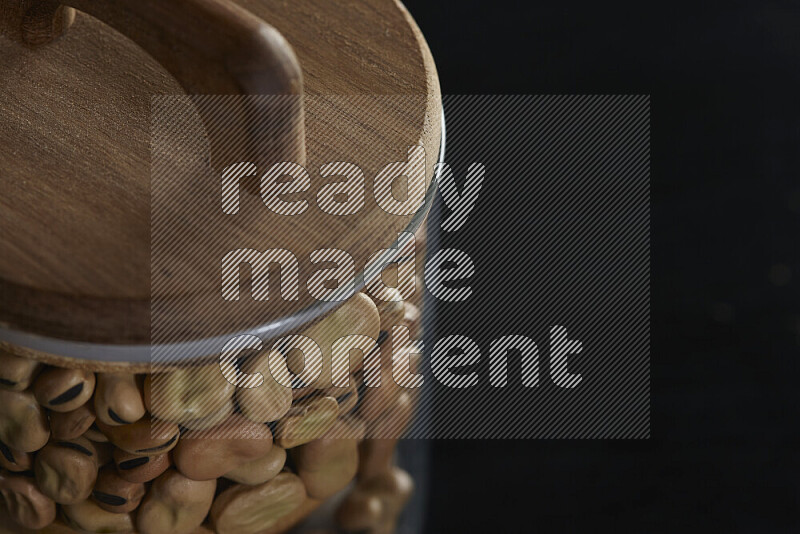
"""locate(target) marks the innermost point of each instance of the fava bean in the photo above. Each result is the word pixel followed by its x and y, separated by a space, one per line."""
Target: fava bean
pixel 63 390
pixel 356 316
pixel 66 470
pixel 188 393
pixel 175 504
pixel 287 521
pixel 394 487
pixel 271 400
pixel 327 464
pixel 23 423
pixel 413 320
pixel 346 397
pixel 306 421
pixel 253 509
pixel 147 390
pixel 359 511
pixel 212 420
pixel 261 469
pixel 375 457
pixel 391 312
pixel 115 494
pixel 418 297
pixel 93 433
pixel 89 517
pixel 118 398
pixel 375 505
pixel 355 429
pixel 339 393
pixel 70 425
pixel 16 374
pixel 376 399
pixel 395 421
pixel 421 236
pixel 14 461
pixel 144 437
pixel 57 527
pixel 9 526
pixel 209 454
pixel 140 469
pixel 26 505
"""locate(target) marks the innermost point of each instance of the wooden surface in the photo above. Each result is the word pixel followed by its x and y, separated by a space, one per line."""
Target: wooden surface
pixel 75 204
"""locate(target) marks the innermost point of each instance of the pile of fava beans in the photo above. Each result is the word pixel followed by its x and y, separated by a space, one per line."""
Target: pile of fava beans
pixel 78 453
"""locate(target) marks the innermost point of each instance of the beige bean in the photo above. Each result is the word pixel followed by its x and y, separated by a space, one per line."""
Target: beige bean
pixel 272 399
pixel 394 422
pixel 375 456
pixel 356 316
pixel 359 511
pixel 140 469
pixel 253 509
pixel 187 394
pixel 355 429
pixel 385 526
pixel 209 454
pixel 212 420
pixel 63 390
pixel 346 397
pixel 93 433
pixel 306 421
pixel 394 487
pixel 413 320
pixel 70 425
pixel 66 470
pixel 118 398
pixel 376 399
pixel 175 504
pixel 23 423
pixel 57 527
pixel 417 298
pixel 15 461
pixel 327 464
pixel 300 393
pixel 391 312
pixel 261 469
pixel 115 494
pixel 304 392
pixel 287 521
pixel 89 517
pixel 26 505
pixel 143 437
pixel 338 392
pixel 9 526
pixel 147 389
pixel 421 237
pixel 16 374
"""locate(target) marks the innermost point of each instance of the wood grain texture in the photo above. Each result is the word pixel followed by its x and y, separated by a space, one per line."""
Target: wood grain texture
pixel 75 203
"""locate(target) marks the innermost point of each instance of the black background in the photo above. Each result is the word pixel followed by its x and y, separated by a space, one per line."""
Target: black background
pixel 725 320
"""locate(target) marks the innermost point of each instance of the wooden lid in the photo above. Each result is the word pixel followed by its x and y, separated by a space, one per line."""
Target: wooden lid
pixel 75 124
